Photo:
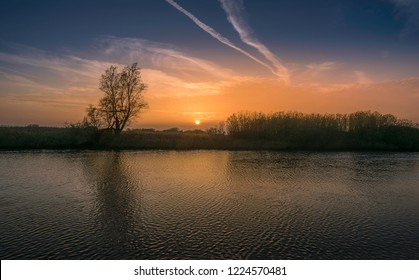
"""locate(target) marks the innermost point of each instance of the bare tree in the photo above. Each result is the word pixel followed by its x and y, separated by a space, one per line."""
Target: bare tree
pixel 123 99
pixel 93 118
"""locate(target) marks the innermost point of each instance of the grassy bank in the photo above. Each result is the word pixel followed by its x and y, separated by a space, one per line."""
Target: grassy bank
pixel 22 138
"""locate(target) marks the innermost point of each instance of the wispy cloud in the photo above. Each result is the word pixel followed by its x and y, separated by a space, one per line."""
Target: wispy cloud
pixel 218 36
pixel 316 68
pixel 235 15
pixel 167 70
pixel 65 70
pixel 313 72
pixel 155 55
pixel 330 75
pixel 43 89
pixel 362 77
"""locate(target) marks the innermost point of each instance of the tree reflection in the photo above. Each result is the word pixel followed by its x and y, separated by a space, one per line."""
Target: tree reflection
pixel 117 206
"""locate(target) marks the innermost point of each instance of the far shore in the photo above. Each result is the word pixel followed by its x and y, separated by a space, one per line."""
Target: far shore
pixel 47 138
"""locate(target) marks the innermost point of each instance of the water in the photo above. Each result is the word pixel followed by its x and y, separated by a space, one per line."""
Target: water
pixel 208 205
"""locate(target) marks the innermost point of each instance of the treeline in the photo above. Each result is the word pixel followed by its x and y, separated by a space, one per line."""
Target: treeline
pixel 359 130
pixel 241 131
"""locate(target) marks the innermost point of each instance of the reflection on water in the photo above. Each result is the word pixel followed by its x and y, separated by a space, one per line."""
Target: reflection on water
pixel 208 205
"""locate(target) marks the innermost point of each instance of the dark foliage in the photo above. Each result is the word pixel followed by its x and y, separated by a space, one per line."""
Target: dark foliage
pixel 359 130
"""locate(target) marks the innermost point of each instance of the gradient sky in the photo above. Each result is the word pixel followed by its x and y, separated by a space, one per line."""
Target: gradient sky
pixel 207 59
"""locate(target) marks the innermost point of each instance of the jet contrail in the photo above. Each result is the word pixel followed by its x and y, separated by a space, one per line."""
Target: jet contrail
pixel 218 36
pixel 234 10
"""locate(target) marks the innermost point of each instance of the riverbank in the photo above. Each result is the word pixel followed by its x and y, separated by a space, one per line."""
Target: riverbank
pixel 26 138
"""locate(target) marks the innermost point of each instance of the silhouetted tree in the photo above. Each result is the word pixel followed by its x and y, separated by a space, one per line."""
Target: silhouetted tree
pixel 93 118
pixel 123 99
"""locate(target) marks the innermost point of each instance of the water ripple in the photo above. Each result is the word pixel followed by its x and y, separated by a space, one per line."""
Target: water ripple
pixel 209 205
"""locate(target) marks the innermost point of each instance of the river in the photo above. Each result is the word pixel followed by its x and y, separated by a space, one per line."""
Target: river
pixel 208 205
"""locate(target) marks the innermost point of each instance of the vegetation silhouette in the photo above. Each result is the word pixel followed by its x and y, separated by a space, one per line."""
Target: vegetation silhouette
pixel 364 130
pixel 359 130
pixel 123 99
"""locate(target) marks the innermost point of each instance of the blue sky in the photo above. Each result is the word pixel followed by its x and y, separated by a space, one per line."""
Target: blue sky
pixel 52 53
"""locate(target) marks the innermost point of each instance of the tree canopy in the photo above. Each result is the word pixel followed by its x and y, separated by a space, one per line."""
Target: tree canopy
pixel 122 101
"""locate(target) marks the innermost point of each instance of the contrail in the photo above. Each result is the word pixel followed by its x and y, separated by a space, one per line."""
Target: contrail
pixel 234 10
pixel 218 36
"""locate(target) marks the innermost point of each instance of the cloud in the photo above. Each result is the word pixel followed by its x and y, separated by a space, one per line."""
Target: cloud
pixel 218 36
pixel 26 100
pixel 167 70
pixel 235 15
pixel 66 70
pixel 361 77
pixel 155 55
pixel 316 73
pixel 330 75
pixel 323 66
pixel 314 70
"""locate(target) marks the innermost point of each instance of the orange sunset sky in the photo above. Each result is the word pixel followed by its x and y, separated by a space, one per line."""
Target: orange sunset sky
pixel 206 61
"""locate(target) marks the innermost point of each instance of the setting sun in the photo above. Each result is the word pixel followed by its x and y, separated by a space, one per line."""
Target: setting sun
pixel 197 122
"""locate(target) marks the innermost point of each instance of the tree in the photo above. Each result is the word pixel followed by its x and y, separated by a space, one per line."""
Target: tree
pixel 123 99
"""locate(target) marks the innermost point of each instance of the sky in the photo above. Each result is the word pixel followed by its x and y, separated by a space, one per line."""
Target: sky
pixel 205 60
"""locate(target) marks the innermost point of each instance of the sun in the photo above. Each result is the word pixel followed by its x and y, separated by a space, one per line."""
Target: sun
pixel 197 122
